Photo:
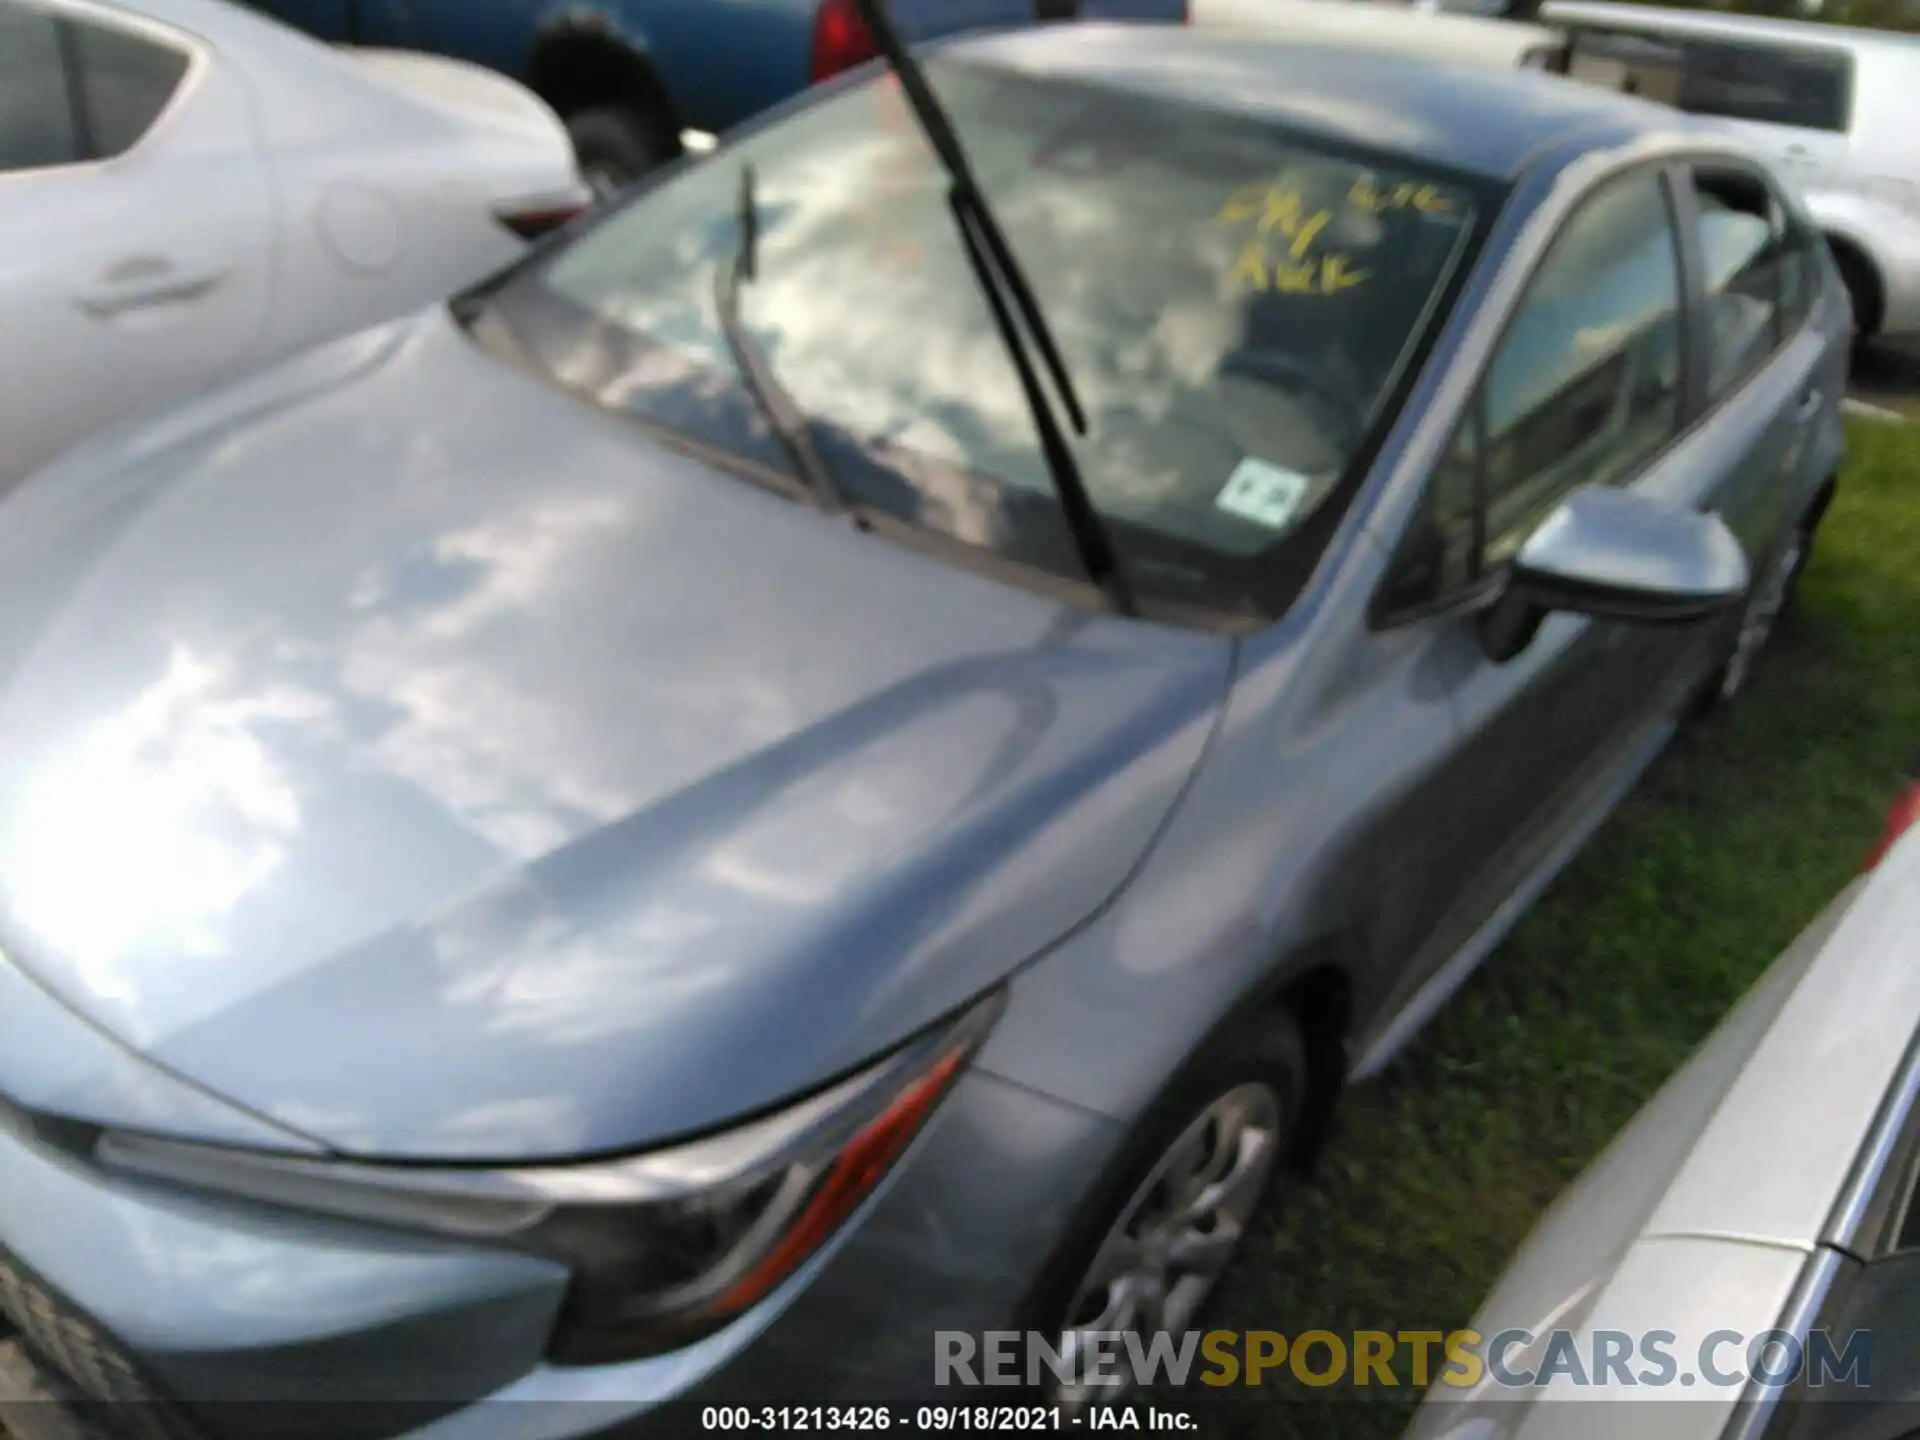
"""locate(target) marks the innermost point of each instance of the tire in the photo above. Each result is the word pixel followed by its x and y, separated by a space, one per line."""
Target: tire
pixel 614 146
pixel 1266 1054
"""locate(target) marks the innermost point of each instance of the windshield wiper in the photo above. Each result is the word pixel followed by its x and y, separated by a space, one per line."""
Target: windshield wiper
pixel 783 415
pixel 1006 289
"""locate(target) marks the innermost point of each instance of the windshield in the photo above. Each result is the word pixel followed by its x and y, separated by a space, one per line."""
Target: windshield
pixel 1234 304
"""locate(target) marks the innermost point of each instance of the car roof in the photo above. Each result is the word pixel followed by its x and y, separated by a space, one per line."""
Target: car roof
pixel 1468 118
pixel 1725 25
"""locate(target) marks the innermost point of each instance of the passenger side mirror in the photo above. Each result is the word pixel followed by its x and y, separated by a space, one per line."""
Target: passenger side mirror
pixel 1617 555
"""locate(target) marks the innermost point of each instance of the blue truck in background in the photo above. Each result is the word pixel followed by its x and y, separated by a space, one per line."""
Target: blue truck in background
pixel 629 76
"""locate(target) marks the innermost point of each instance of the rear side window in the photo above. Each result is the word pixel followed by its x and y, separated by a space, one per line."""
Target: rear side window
pixel 1808 88
pixel 1755 273
pixel 72 91
pixel 37 116
pixel 125 82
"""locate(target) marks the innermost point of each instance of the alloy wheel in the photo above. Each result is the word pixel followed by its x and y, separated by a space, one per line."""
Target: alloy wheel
pixel 1172 1240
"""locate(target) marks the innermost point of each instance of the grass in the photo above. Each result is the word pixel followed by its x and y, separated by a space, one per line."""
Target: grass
pixel 1738 837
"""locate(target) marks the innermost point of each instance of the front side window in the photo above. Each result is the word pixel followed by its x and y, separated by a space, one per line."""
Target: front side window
pixel 1235 304
pixel 1585 386
pixel 1583 389
pixel 37 115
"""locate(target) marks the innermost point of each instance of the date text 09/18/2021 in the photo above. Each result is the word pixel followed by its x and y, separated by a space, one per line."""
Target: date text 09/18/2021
pixel 939 1419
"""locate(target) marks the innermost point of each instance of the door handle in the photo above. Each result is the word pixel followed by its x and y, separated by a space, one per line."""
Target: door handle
pixel 1810 401
pixel 143 282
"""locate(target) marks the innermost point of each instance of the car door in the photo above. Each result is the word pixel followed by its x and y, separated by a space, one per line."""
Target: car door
pixel 136 224
pixel 1585 386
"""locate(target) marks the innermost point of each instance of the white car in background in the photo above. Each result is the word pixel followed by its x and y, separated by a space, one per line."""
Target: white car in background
pixel 1456 39
pixel 189 190
pixel 1830 106
pixel 1760 1208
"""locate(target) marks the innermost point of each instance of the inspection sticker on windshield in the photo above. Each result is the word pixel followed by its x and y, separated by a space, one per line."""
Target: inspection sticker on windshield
pixel 1268 495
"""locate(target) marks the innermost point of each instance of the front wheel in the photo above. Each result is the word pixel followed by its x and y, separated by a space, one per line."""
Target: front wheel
pixel 1151 1253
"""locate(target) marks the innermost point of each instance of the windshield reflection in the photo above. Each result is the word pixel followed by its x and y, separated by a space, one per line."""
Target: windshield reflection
pixel 1225 294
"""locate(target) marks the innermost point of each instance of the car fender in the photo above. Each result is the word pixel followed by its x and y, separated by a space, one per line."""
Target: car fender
pixel 1257 893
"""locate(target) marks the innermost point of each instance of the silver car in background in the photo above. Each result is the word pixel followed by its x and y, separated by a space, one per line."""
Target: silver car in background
pixel 1830 107
pixel 1766 1191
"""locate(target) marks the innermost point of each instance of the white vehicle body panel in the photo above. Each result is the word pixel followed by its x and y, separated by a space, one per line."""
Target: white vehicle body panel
pixel 1862 184
pixel 121 278
pixel 1707 1210
pixel 289 193
pixel 1459 39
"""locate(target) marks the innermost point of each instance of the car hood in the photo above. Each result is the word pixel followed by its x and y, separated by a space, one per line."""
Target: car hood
pixel 423 759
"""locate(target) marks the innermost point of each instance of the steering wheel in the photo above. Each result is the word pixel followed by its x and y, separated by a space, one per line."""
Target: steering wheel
pixel 1290 372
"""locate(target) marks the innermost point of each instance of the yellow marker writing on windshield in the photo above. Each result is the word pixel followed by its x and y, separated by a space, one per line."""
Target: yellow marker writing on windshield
pixel 1279 210
pixel 1337 274
pixel 1250 267
pixel 1283 213
pixel 1243 204
pixel 1295 277
pixel 1410 195
pixel 1287 274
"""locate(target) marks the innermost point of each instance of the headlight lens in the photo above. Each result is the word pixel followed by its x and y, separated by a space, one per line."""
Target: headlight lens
pixel 663 1247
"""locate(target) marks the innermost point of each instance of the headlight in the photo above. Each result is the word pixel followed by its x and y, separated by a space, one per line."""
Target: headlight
pixel 663 1247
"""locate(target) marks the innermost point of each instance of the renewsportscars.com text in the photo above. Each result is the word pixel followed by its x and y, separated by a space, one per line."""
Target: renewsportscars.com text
pixel 1511 1359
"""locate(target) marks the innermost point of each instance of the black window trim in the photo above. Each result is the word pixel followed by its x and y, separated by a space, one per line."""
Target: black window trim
pixel 1482 585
